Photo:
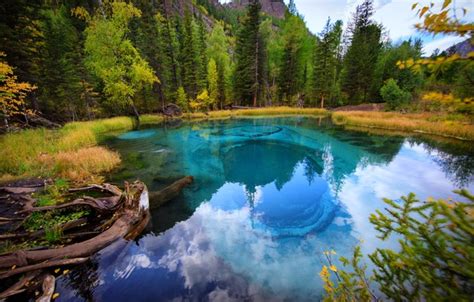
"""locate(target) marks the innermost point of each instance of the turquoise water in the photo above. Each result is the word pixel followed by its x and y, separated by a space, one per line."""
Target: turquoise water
pixel 270 195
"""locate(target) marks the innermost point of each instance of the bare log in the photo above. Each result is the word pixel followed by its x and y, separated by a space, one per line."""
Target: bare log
pixel 159 198
pixel 19 190
pixel 49 283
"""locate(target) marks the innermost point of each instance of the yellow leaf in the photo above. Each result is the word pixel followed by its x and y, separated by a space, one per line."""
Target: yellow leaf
pixel 446 3
pixel 423 11
pixel 65 271
pixel 333 268
pixel 56 270
pixel 56 295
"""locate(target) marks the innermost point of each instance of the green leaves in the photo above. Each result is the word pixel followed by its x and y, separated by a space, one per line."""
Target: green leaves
pixel 113 58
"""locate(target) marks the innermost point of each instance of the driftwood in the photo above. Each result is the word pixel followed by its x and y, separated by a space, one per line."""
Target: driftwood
pixel 159 198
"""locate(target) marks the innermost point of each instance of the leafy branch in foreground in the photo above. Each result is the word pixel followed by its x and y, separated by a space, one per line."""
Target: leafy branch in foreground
pixel 435 260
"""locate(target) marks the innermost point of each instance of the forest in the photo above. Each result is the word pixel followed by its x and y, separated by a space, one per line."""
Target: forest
pixel 90 59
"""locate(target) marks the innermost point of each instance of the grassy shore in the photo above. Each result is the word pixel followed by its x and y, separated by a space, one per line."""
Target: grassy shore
pixel 427 123
pixel 72 152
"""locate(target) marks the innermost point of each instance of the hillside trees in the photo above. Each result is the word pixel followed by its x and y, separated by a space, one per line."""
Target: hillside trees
pixel 111 56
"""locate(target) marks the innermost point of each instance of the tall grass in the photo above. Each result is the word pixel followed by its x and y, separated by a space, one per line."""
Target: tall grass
pixel 420 123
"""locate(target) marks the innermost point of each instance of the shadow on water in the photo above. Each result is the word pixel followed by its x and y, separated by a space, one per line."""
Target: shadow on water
pixel 270 195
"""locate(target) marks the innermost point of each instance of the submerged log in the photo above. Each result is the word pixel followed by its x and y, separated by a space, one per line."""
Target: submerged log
pixel 49 284
pixel 159 198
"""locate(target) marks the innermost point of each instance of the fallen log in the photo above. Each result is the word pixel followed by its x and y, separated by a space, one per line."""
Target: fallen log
pixel 159 198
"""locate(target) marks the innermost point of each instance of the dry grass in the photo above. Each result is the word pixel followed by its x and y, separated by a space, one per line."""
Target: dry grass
pixel 420 123
pixel 269 111
pixel 83 165
pixel 33 152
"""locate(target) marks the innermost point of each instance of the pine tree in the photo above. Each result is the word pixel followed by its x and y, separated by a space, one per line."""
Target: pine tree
pixel 325 65
pixel 292 64
pixel 189 56
pixel 361 56
pixel 249 52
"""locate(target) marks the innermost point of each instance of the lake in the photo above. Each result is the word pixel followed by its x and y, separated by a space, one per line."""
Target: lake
pixel 270 196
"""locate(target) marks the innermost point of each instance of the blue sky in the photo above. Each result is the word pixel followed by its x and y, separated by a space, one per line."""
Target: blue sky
pixel 396 16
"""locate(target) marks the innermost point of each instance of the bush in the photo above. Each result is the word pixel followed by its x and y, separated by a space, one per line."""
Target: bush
pixel 435 261
pixel 393 95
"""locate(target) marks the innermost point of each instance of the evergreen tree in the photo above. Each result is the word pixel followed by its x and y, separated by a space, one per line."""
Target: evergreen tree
pixel 189 56
pixel 249 52
pixel 169 54
pixel 60 82
pixel 361 56
pixel 325 65
pixel 292 65
pixel 201 52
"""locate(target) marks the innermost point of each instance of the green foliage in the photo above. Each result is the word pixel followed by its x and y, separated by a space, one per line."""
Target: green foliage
pixel 213 87
pixel 182 99
pixel 50 219
pixel 435 261
pixel 113 58
pixel 393 95
pixel 295 54
pixel 53 193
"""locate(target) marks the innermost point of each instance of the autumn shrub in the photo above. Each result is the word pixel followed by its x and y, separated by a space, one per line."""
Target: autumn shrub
pixel 435 260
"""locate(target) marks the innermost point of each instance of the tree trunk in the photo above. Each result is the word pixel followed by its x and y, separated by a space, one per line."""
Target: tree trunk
pixel 256 74
pixel 322 102
pixel 136 115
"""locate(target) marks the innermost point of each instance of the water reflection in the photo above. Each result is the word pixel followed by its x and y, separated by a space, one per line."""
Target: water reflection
pixel 270 196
